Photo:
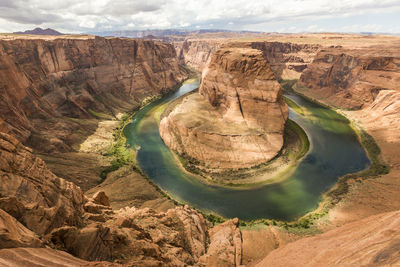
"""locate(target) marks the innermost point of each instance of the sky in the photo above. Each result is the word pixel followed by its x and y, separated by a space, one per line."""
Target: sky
pixel 83 16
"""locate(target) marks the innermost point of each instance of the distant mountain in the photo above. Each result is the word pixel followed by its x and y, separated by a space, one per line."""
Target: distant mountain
pixel 40 31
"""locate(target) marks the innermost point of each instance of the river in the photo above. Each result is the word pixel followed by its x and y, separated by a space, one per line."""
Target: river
pixel 334 152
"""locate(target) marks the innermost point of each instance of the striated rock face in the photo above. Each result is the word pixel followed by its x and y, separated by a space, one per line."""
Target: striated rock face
pixel 241 121
pixel 351 78
pixel 373 241
pixel 32 194
pixel 46 84
pixel 196 53
pixel 226 245
pixel 13 234
pixel 240 83
pixel 38 257
pixel 37 208
pixel 287 60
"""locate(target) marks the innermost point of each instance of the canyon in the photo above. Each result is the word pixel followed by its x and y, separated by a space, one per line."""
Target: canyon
pixel 55 92
pixel 238 117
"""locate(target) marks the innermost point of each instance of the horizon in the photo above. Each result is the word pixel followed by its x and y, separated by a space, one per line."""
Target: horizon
pixel 104 33
pixel 291 16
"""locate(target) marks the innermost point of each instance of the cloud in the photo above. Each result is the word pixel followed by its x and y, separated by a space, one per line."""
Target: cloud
pixel 267 15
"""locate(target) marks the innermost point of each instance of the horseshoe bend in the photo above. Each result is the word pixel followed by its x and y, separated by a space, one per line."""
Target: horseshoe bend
pixel 237 118
pixel 199 148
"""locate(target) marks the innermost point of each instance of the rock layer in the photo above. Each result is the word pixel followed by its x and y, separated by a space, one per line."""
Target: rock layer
pixel 46 84
pixel 31 193
pixel 196 53
pixel 39 257
pixel 373 241
pixel 241 121
pixel 37 208
pixel 351 78
pixel 287 60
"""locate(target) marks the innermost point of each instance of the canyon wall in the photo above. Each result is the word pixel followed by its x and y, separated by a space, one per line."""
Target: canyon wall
pixel 196 53
pixel 351 78
pixel 238 120
pixel 287 60
pixel 51 87
pixel 39 209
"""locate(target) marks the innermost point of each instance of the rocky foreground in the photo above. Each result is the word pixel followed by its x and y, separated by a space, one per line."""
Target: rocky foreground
pixel 238 119
pixel 39 209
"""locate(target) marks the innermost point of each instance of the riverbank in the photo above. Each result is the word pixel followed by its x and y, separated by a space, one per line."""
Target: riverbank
pixel 296 145
pixel 121 179
pixel 339 197
pixel 340 205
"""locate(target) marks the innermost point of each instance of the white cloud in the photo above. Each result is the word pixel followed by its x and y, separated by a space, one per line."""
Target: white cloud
pixel 267 15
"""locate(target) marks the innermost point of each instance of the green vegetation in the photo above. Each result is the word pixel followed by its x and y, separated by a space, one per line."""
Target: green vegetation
pixel 305 225
pixel 212 218
pixel 305 143
pixel 287 85
pixel 293 105
pixel 296 145
pixel 99 115
pixel 119 152
pixel 121 155
pixel 377 167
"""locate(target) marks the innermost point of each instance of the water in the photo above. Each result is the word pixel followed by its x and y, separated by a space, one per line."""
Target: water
pixel 334 151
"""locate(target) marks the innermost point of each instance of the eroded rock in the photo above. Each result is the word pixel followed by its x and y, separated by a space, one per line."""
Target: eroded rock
pixel 13 234
pixel 239 122
pixel 30 192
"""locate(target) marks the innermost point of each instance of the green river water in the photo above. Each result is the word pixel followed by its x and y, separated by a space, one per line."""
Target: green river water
pixel 334 151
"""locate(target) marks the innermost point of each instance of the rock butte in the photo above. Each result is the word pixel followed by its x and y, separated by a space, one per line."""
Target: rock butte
pixel 238 119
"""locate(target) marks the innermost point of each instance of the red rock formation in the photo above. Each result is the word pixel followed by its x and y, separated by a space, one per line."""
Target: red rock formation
pixel 196 53
pixel 13 234
pixel 373 241
pixel 287 60
pixel 351 78
pixel 226 245
pixel 241 125
pixel 37 207
pixel 240 83
pixel 38 257
pixel 32 194
pixel 46 83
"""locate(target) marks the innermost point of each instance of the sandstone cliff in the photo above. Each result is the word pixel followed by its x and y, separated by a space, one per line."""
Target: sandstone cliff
pixel 241 121
pixel 351 78
pixel 373 241
pixel 31 193
pixel 38 208
pixel 47 84
pixel 287 60
pixel 196 53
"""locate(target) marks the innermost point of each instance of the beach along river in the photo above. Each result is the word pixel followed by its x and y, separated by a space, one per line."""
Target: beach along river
pixel 334 152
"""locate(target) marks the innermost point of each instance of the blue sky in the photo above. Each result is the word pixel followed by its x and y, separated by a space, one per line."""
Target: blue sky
pixel 76 16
